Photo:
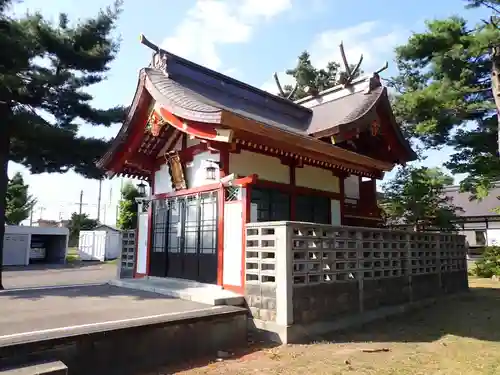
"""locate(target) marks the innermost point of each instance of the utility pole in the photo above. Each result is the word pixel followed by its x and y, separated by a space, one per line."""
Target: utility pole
pixel 81 202
pixel 99 201
pixel 41 209
pixel 119 201
pixel 31 215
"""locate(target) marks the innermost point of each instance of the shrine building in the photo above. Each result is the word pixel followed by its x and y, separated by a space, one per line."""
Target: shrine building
pixel 218 153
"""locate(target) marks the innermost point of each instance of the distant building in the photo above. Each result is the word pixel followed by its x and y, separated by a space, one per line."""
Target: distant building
pixel 107 228
pixel 51 223
pixel 478 220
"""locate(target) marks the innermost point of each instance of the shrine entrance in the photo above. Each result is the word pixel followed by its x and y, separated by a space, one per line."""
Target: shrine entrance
pixel 184 238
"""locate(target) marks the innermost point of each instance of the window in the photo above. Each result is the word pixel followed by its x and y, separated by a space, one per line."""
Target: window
pixel 480 237
pixel 313 209
pixel 159 232
pixel 272 205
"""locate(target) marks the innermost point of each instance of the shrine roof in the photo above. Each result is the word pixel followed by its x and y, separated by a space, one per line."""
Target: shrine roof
pixel 343 108
pixel 195 93
pixel 344 113
pixel 202 97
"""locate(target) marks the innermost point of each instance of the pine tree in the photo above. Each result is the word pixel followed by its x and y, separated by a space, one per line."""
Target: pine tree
pixel 415 196
pixel 44 72
pixel 310 80
pixel 77 223
pixel 447 80
pixel 18 201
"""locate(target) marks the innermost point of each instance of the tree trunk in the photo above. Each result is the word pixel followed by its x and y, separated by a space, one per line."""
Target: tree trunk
pixel 4 163
pixel 495 86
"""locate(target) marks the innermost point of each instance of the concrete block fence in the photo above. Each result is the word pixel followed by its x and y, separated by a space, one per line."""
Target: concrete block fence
pixel 312 274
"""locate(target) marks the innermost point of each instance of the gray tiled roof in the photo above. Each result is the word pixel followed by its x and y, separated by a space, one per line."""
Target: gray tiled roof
pixel 196 93
pixel 475 207
pixel 203 102
pixel 344 113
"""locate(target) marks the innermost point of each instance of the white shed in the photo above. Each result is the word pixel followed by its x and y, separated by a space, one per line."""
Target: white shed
pixel 24 245
pixel 102 243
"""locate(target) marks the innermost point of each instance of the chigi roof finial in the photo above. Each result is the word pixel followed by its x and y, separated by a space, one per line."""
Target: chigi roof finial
pixel 349 74
pixel 159 60
pixel 280 88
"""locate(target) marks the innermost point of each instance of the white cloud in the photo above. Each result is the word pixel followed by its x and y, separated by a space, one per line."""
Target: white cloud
pixel 364 38
pixel 211 23
pixel 263 8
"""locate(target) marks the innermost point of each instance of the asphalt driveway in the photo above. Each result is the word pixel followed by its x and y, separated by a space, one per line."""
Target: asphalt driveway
pixel 55 275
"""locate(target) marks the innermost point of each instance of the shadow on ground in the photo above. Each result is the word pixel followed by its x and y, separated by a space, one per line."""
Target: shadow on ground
pixel 43 266
pixel 472 314
pixel 252 348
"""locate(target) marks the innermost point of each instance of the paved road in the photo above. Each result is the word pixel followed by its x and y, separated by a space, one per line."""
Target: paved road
pixel 43 275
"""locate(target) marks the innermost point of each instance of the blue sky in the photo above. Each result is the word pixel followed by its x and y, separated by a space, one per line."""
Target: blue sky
pixel 246 39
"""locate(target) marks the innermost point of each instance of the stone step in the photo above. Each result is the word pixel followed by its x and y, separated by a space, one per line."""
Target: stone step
pixel 48 368
pixel 196 292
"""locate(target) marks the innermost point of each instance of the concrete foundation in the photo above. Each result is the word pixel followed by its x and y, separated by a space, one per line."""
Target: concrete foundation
pixel 105 330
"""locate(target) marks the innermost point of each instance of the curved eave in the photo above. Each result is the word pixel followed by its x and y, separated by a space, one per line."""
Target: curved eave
pixel 307 143
pixel 365 117
pixel 358 116
pixel 178 100
pixel 410 153
pixel 121 138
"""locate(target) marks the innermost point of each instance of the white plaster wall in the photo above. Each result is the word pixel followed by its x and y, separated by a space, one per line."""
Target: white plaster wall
pixel 142 243
pixel 493 237
pixel 233 246
pixel 336 215
pixel 163 182
pixel 266 167
pixel 494 225
pixel 351 186
pixel 195 171
pixel 192 141
pixel 316 178
pixel 478 225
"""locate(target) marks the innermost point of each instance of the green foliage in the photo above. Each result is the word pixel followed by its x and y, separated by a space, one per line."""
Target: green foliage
pixel 445 94
pixel 77 223
pixel 415 197
pixel 489 264
pixel 127 218
pixel 490 4
pixel 309 79
pixel 18 202
pixel 45 70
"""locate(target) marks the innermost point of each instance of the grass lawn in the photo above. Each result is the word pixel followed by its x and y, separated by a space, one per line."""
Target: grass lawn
pixel 73 257
pixel 455 336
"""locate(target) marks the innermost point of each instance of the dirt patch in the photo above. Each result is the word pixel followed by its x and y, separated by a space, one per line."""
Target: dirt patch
pixel 460 335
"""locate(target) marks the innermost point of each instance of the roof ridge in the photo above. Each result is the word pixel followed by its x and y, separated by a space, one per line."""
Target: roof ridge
pixel 338 87
pixel 230 80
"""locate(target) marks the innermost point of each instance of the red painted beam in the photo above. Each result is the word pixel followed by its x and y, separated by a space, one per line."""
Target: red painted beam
pixel 197 129
pixel 140 121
